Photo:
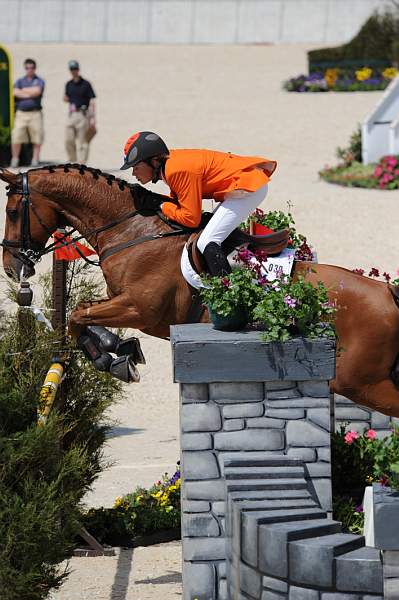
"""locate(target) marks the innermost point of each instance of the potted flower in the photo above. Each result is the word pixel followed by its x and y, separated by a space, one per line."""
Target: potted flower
pixel 231 298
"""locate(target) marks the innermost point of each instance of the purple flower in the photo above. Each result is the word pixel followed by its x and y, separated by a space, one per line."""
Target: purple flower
pixel 225 281
pixel 359 508
pixel 289 301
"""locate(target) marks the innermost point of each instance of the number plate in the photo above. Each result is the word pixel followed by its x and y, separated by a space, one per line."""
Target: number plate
pixel 275 266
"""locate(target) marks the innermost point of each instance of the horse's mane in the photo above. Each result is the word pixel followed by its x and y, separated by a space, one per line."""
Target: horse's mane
pixel 96 173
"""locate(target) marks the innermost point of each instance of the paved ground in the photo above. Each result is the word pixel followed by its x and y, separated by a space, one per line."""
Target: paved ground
pixel 227 98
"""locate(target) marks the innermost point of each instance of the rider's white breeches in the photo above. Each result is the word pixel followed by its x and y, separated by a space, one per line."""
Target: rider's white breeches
pixel 229 214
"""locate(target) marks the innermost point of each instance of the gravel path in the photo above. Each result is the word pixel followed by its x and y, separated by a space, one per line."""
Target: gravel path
pixel 228 98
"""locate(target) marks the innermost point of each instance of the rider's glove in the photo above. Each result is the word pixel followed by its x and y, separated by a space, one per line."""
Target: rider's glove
pixel 146 200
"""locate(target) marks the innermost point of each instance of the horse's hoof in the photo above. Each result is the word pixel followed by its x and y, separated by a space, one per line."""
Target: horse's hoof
pixel 124 369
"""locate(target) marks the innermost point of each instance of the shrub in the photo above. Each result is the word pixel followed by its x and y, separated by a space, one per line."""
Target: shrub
pixel 353 152
pixel 44 471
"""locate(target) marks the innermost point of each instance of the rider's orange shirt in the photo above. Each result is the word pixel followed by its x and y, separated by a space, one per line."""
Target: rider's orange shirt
pixel 196 174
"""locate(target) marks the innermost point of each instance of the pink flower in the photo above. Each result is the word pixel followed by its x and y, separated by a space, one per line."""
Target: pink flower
pixel 225 281
pixel 371 434
pixel 378 172
pixel 350 437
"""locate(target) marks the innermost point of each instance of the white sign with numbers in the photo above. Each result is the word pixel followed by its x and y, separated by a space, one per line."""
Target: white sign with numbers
pixel 276 266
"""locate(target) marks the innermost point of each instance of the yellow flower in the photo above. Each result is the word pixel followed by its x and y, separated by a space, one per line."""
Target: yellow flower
pixel 118 502
pixel 390 72
pixel 369 479
pixel 331 76
pixel 364 73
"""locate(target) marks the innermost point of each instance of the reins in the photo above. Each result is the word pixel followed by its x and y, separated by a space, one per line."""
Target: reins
pixel 30 252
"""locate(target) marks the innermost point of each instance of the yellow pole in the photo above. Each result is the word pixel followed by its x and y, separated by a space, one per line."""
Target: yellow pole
pixel 48 392
pixel 10 83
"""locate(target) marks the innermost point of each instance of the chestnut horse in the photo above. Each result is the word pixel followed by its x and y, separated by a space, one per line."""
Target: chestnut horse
pixel 146 290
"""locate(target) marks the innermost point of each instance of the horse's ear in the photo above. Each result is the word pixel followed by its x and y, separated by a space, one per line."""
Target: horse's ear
pixel 8 176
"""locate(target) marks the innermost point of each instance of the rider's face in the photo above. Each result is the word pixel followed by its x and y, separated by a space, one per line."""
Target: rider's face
pixel 143 172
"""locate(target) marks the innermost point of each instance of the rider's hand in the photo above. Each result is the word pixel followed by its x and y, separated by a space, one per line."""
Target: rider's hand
pixel 145 199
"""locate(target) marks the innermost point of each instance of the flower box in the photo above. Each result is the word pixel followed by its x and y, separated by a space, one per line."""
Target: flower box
pixel 381 517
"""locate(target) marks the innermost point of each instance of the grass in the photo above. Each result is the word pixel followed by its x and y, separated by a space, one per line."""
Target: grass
pixel 354 175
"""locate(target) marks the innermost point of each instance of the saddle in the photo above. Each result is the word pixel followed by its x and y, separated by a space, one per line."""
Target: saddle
pixel 271 243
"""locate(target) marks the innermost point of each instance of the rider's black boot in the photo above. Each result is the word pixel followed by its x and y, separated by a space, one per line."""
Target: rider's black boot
pixel 216 260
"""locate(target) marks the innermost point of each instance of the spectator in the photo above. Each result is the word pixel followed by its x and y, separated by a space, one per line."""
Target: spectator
pixel 28 122
pixel 81 125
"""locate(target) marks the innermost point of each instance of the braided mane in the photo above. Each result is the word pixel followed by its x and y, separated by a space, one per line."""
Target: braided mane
pixel 96 173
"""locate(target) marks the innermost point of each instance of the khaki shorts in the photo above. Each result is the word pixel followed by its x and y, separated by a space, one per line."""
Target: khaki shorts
pixel 28 127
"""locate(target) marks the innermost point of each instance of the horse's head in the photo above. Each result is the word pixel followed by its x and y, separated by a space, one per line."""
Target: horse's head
pixel 30 221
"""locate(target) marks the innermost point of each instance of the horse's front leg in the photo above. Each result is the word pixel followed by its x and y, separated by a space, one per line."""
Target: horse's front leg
pixel 115 312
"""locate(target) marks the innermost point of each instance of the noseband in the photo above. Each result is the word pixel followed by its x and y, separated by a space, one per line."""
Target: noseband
pixel 29 251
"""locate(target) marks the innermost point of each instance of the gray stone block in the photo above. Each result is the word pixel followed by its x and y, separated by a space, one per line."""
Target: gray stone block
pixel 248 457
pixel 298 593
pixel 219 508
pixel 340 596
pixel 274 584
pixel 324 454
pixel 311 560
pixel 256 439
pixel 279 385
pixel 266 484
pixel 315 389
pixel 319 469
pixel 283 394
pixel 238 411
pixel 204 490
pixel 198 581
pixel 351 413
pixel 222 590
pixel 200 525
pixel 391 589
pixel 194 392
pixel 285 413
pixel 196 506
pixel 200 465
pixel 265 423
pixel 386 518
pixel 250 580
pixel 274 537
pixel 233 424
pixel 342 400
pixel 359 571
pixel 222 569
pixel 263 472
pixel 259 459
pixel 200 417
pixel 271 595
pixel 383 433
pixel 196 441
pixel 320 416
pixel 204 549
pixel 251 520
pixel 379 421
pixel 302 402
pixel 305 454
pixel 228 393
pixel 300 433
pixel 391 563
pixel 322 488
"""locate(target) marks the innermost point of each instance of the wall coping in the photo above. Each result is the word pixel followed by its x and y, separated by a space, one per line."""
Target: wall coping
pixel 202 354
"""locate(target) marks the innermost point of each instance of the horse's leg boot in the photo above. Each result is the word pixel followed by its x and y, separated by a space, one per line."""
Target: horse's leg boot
pixel 124 369
pixel 131 347
pixel 106 340
pixel 101 360
pixel 216 260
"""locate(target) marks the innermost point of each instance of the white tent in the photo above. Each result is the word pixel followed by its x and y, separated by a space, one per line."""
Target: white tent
pixel 380 130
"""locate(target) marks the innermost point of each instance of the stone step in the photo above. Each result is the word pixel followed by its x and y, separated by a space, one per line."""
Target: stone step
pixel 311 561
pixel 272 461
pixel 269 494
pixel 360 571
pixel 265 484
pixel 274 537
pixel 252 472
pixel 251 520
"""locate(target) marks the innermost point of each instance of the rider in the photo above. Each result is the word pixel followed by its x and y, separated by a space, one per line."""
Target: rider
pixel 239 183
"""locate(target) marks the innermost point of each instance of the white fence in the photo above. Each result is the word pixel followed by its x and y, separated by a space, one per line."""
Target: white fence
pixel 184 21
pixel 380 130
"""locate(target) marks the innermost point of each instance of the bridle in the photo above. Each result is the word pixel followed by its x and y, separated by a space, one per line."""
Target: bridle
pixel 30 252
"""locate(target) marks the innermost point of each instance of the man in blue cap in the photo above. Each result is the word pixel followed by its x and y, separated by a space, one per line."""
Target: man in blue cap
pixel 81 124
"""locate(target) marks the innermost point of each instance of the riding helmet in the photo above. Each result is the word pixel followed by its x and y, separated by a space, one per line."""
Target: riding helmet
pixel 142 146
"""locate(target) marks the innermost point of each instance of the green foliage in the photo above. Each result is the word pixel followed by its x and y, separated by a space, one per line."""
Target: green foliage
pixel 350 515
pixel 44 471
pixel 350 468
pixel 353 152
pixel 5 136
pixel 295 308
pixel 144 511
pixel 375 42
pixel 238 290
pixel 277 220
pixel 355 175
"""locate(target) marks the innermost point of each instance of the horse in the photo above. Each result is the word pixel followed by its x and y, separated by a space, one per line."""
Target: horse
pixel 140 260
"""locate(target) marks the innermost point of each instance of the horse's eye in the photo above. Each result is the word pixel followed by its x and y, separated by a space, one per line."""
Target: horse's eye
pixel 12 213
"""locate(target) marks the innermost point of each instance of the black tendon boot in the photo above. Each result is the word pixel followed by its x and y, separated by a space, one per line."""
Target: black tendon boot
pixel 216 260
